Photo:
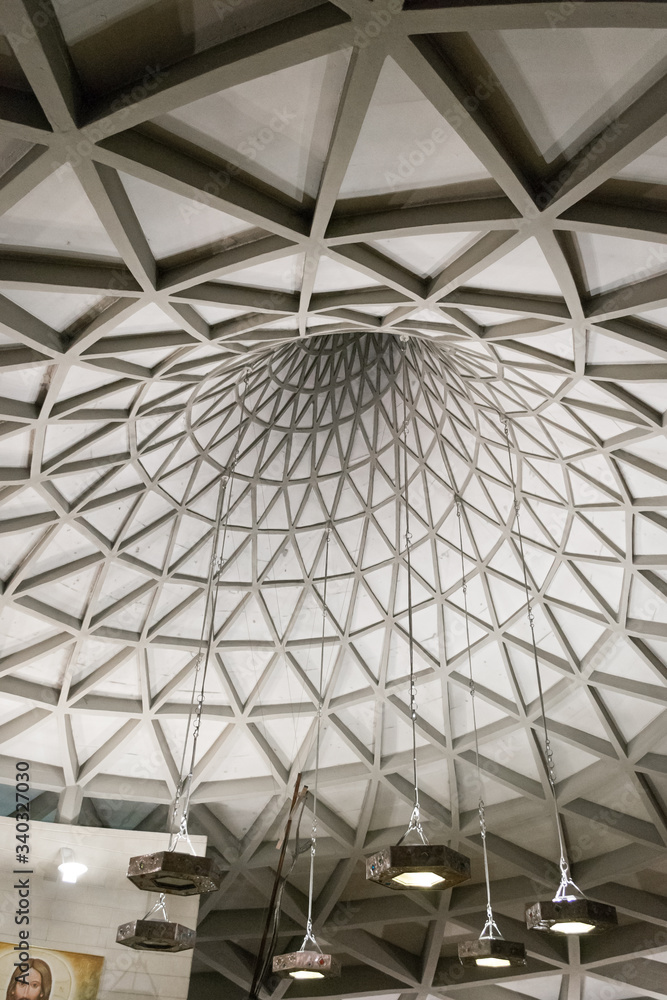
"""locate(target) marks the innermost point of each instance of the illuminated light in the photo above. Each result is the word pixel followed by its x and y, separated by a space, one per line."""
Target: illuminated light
pixel 418 880
pixel 306 964
pixel 571 916
pixel 572 927
pixel 70 870
pixel 418 866
pixel 492 952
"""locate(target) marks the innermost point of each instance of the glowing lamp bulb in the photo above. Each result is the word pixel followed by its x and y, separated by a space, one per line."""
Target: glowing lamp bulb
pixel 70 870
pixel 418 880
pixel 572 927
pixel 493 963
pixel 306 974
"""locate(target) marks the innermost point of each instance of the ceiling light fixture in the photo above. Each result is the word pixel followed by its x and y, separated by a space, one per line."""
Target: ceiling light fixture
pixel 174 872
pixel 414 865
pixel 69 868
pixel 569 912
pixel 490 950
pixel 154 934
pixel 310 962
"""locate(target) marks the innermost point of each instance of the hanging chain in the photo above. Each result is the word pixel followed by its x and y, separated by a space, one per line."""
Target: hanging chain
pixel 415 825
pixel 179 827
pixel 566 887
pixel 159 907
pixel 310 936
pixel 490 927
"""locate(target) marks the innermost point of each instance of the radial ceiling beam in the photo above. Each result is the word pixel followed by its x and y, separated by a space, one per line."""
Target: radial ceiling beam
pixel 430 71
pixel 269 49
pixel 161 163
pixel 33 30
pixel 620 141
pixel 479 214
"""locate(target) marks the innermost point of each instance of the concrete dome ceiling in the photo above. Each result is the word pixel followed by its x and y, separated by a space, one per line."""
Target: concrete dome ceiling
pixel 276 192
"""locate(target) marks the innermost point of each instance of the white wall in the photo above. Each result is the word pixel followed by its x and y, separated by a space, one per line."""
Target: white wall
pixel 83 917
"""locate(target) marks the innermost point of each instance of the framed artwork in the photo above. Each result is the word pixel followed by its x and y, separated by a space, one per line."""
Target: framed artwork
pixel 53 975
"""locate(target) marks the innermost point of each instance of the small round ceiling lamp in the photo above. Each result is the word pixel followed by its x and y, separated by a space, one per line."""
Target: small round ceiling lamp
pixel 70 868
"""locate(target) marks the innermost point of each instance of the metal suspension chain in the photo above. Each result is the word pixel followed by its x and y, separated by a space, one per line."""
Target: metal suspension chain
pixel 159 907
pixel 490 929
pixel 566 882
pixel 415 825
pixel 310 936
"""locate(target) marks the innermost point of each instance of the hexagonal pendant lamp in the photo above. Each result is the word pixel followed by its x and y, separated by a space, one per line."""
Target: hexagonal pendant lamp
pixel 174 872
pixel 418 865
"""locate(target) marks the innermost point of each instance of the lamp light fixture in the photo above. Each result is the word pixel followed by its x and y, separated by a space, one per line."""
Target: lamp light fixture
pixel 569 912
pixel 417 865
pixel 306 964
pixel 310 962
pixel 571 915
pixel 70 868
pixel 490 950
pixel 153 934
pixel 174 872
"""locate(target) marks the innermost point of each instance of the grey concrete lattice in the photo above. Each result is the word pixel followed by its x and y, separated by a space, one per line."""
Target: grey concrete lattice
pixel 148 265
